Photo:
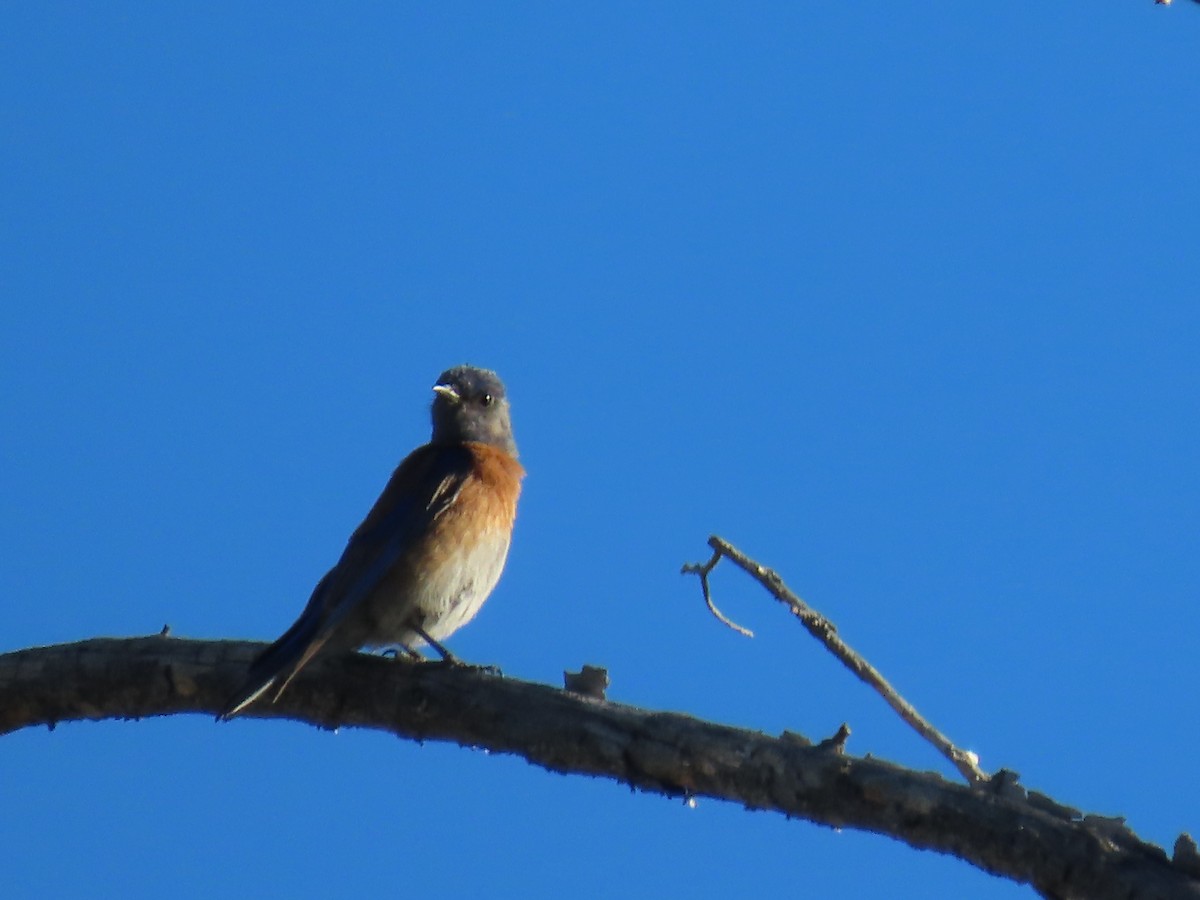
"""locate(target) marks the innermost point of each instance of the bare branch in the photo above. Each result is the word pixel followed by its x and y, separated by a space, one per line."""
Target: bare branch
pixel 824 631
pixel 702 569
pixel 1054 849
pixel 997 826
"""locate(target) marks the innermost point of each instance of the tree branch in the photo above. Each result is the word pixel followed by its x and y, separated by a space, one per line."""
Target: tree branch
pixel 826 632
pixel 1005 833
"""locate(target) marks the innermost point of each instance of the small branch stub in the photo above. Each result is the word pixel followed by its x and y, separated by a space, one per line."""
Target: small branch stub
pixel 590 681
pixel 1186 856
pixel 836 742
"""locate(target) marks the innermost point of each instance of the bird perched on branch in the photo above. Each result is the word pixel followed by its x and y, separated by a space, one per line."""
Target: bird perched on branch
pixel 428 553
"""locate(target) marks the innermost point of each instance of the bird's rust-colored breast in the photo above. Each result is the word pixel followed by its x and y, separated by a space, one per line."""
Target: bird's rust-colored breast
pixel 495 484
pixel 468 541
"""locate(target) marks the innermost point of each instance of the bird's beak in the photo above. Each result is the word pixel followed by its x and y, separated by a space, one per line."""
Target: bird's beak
pixel 447 391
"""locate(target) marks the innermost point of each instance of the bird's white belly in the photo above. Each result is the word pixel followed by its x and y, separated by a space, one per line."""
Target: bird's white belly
pixel 446 593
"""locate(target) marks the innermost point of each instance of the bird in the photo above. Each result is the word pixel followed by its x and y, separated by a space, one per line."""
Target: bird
pixel 429 552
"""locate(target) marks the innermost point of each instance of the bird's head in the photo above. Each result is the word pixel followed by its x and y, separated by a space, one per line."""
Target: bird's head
pixel 470 404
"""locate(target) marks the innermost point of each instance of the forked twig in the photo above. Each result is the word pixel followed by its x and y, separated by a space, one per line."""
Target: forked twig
pixel 823 630
pixel 702 569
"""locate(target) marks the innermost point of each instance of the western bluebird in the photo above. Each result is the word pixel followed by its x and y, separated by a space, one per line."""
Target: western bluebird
pixel 428 553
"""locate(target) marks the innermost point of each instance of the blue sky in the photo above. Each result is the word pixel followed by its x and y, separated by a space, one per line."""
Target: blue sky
pixel 900 298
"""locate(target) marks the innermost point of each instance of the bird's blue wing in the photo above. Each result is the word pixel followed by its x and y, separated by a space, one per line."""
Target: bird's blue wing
pixel 423 486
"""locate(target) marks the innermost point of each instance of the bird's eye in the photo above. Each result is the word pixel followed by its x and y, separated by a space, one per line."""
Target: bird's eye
pixel 487 399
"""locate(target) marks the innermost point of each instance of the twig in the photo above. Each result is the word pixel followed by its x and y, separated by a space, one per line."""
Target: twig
pixel 823 630
pixel 702 570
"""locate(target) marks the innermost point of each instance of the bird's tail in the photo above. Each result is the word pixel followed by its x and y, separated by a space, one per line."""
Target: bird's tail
pixel 275 667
